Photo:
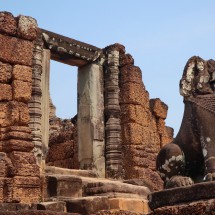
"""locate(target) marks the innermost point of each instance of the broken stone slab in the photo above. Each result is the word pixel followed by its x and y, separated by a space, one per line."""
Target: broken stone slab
pixel 87 205
pixel 204 207
pixel 57 206
pixel 200 191
pixel 52 170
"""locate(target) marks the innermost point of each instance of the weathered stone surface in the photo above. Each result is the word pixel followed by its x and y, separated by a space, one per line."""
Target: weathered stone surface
pixel 5 115
pixel 17 145
pixel 19 113
pixel 203 207
pixel 133 93
pixel 15 51
pixel 128 204
pixel 6 92
pixel 87 205
pixel 21 91
pixel 6 166
pixel 24 164
pixel 64 186
pixel 22 73
pixel 52 206
pixel 117 212
pixel 126 59
pixel 115 189
pixel 178 195
pixel 131 73
pixel 27 27
pixel 159 108
pixel 63 147
pixel 5 72
pixel 143 128
pixel 190 157
pixel 25 189
pixel 34 212
pixel 7 23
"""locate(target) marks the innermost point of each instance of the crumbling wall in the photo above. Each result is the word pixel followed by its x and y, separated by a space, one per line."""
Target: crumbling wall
pixel 63 147
pixel 19 174
pixel 143 129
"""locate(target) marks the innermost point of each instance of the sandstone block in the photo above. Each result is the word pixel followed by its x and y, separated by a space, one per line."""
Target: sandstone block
pixel 134 114
pixel 52 206
pixel 5 115
pixel 27 27
pixel 16 51
pixel 5 165
pixel 26 189
pixel 17 145
pixel 133 93
pixel 167 136
pixel 64 186
pixel 87 205
pixel 7 23
pixel 130 73
pixel 196 192
pixel 22 73
pixel 158 108
pixel 132 134
pixel 2 185
pixel 5 92
pixel 21 91
pixel 24 163
pixel 126 59
pixel 20 113
pixel 60 151
pixel 5 72
pixel 129 204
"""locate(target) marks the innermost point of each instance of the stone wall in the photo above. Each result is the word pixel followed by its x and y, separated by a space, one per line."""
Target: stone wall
pixel 19 174
pixel 63 147
pixel 143 129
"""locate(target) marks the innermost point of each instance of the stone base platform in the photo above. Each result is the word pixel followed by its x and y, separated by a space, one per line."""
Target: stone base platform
pixel 196 199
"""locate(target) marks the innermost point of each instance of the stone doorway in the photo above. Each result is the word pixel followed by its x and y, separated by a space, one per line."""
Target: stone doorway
pixel 90 118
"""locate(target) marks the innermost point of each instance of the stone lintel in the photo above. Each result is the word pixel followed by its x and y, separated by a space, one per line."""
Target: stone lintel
pixel 200 191
pixel 69 51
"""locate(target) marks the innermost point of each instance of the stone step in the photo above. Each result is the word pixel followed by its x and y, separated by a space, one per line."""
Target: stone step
pixel 129 204
pixel 67 186
pixel 87 205
pixel 62 186
pixel 57 206
pixel 52 170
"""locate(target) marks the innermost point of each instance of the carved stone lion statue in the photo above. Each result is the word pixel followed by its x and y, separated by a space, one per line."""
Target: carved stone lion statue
pixel 190 158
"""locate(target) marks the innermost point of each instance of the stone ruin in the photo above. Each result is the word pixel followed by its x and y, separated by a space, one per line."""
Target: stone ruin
pixel 102 161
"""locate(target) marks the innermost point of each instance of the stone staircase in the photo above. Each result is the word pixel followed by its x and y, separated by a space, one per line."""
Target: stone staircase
pixel 81 192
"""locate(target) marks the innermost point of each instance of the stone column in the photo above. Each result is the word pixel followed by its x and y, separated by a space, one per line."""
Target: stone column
pixel 45 100
pixel 112 113
pixel 91 118
pixel 35 102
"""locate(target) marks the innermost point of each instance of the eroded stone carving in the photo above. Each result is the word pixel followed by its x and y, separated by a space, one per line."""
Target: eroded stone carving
pixel 191 156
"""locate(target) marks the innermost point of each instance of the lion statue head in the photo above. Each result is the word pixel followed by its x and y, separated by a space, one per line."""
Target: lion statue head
pixel 198 78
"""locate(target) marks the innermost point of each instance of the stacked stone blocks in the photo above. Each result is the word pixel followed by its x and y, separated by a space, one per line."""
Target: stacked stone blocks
pixel 19 178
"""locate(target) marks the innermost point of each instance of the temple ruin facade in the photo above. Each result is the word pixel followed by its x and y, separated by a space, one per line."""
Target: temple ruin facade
pixel 101 160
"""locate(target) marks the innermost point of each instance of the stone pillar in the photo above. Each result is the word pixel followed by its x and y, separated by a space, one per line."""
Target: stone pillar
pixel 35 102
pixel 45 100
pixel 112 113
pixel 91 118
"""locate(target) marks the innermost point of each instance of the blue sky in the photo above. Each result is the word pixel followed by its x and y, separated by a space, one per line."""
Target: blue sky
pixel 161 36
